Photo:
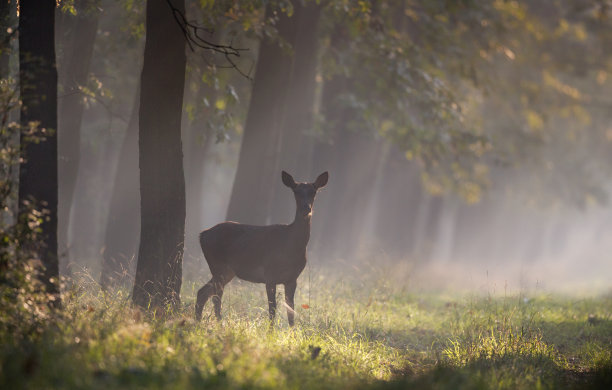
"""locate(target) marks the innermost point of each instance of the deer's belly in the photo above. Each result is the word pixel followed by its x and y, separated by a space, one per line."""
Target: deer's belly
pixel 271 273
pixel 254 275
pixel 283 273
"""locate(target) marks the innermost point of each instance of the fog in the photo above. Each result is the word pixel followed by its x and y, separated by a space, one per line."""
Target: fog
pixel 498 243
pixel 525 227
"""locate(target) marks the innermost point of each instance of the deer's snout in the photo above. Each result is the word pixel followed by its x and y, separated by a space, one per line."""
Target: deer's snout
pixel 306 208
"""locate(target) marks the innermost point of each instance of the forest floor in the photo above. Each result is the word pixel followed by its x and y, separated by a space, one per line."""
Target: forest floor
pixel 359 331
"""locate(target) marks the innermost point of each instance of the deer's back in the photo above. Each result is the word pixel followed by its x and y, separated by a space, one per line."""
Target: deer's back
pixel 255 253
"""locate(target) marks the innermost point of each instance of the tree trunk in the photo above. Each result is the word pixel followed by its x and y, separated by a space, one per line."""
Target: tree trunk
pixel 123 225
pixel 162 183
pixel 38 89
pixel 329 156
pixel 331 229
pixel 426 224
pixel 79 33
pixel 295 144
pixel 256 176
pixel 6 22
pixel 354 162
pixel 398 208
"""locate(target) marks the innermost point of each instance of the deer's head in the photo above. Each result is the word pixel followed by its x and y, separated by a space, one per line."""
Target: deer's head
pixel 305 192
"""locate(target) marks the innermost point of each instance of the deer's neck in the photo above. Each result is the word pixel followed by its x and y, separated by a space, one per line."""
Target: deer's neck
pixel 300 230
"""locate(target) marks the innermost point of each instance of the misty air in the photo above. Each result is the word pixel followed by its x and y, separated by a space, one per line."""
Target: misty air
pixel 306 194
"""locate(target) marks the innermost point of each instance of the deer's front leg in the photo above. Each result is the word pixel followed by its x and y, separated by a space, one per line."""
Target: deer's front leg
pixel 271 290
pixel 289 294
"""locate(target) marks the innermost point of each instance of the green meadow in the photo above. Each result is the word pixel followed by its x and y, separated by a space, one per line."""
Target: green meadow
pixel 356 331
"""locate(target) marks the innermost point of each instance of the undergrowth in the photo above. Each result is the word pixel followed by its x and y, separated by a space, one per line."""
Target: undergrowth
pixel 354 332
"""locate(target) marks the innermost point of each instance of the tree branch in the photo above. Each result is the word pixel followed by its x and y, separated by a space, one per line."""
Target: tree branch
pixel 194 39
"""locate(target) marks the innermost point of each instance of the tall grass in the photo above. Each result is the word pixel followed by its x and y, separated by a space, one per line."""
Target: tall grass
pixel 359 331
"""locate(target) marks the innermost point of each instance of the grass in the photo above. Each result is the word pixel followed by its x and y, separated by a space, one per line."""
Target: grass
pixel 360 331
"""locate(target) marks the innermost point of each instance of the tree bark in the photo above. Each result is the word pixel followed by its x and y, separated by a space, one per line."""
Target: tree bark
pixel 162 183
pixel 38 89
pixel 256 176
pixel 5 37
pixel 79 33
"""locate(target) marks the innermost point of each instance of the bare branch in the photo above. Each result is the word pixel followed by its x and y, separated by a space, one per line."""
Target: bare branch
pixel 194 38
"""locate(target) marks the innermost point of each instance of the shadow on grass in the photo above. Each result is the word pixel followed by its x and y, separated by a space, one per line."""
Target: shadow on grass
pixel 127 378
pixel 416 338
pixel 310 371
pixel 591 329
pixel 503 373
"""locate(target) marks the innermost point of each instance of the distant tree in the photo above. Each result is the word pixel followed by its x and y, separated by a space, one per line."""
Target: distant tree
pixel 251 198
pixel 547 111
pixel 123 225
pixel 297 125
pixel 38 90
pixel 162 185
pixel 77 34
pixel 199 136
pixel 386 78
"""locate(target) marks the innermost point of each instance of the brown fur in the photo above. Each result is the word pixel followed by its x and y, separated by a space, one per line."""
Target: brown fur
pixel 273 254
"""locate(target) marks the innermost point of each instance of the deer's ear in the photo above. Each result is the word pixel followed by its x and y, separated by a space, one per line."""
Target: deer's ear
pixel 321 180
pixel 288 180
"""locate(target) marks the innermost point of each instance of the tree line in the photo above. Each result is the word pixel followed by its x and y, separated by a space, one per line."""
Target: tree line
pixel 418 98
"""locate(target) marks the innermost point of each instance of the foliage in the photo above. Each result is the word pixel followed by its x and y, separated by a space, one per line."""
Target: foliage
pixel 405 62
pixel 23 300
pixel 354 331
pixel 466 87
pixel 544 107
pixel 222 92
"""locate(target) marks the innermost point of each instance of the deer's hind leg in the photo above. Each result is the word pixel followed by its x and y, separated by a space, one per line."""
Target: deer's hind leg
pixel 218 291
pixel 289 294
pixel 213 288
pixel 203 294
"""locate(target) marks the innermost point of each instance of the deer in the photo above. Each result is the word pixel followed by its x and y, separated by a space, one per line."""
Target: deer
pixel 270 254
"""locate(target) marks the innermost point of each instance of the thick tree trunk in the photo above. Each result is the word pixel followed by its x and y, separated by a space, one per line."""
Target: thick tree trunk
pixel 79 33
pixel 162 183
pixel 123 225
pixel 5 37
pixel 295 144
pixel 256 176
pixel 38 89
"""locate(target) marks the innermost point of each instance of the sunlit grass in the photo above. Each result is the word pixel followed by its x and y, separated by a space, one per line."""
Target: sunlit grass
pixel 358 331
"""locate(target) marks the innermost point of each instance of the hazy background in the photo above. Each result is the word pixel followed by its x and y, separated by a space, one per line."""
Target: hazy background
pixel 521 202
